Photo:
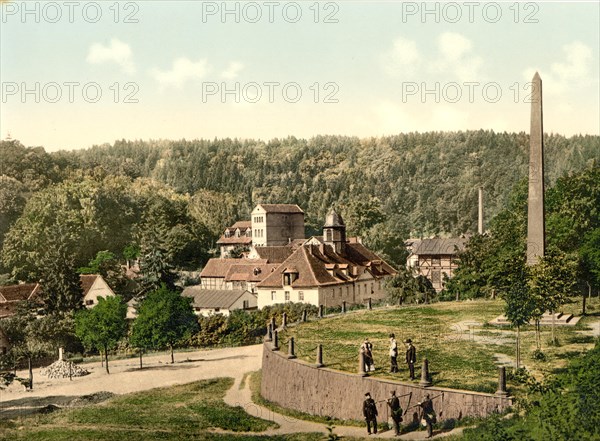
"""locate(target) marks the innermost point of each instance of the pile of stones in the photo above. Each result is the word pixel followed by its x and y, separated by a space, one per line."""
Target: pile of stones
pixel 63 369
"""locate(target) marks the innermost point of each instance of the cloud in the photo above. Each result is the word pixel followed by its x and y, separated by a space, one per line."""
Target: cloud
pixel 573 72
pixel 232 70
pixel 117 52
pixel 403 58
pixel 456 58
pixel 577 65
pixel 183 70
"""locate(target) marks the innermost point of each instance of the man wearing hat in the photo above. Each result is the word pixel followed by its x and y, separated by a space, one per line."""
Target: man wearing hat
pixel 370 413
pixel 411 357
pixel 396 411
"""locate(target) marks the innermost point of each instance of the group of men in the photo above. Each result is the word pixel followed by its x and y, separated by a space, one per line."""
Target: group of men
pixel 370 413
pixel 411 355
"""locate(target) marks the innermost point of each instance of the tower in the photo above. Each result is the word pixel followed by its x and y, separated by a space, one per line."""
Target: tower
pixel 536 230
pixel 334 231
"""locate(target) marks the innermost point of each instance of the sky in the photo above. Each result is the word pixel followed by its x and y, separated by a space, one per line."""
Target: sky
pixel 76 74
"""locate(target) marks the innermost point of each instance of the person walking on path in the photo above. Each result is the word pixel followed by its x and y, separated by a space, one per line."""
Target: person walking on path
pixel 411 357
pixel 367 349
pixel 370 413
pixel 396 411
pixel 393 354
pixel 428 414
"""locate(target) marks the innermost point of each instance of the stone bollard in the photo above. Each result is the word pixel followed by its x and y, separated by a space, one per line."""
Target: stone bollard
pixel 60 354
pixel 369 305
pixel 275 341
pixel 321 308
pixel 344 307
pixel 284 320
pixel 304 314
pixel 502 392
pixel 320 356
pixel 361 364
pixel 273 324
pixel 425 381
pixel 291 349
pixel 269 336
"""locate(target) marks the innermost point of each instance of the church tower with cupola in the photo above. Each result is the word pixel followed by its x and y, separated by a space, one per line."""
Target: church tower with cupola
pixel 334 231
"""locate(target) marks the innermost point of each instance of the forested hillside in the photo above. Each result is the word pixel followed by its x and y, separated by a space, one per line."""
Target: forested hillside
pixel 387 188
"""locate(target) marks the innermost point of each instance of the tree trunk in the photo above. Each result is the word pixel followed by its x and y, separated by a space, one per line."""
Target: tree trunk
pixel 583 304
pixel 172 358
pixel 30 373
pixel 106 359
pixel 553 326
pixel 141 352
pixel 518 347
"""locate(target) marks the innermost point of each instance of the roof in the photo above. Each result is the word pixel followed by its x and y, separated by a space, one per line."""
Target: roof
pixel 241 225
pixel 438 246
pixel 280 208
pixel 16 293
pixel 249 272
pixel 333 219
pixel 219 267
pixel 87 280
pixel 213 298
pixel 242 240
pixel 274 254
pixel 320 265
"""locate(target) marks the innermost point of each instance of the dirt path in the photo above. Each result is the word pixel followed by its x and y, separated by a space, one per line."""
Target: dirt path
pixel 126 377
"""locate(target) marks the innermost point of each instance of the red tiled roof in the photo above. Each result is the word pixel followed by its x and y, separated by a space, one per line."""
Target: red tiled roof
pixel 87 280
pixel 212 298
pixel 242 225
pixel 249 272
pixel 24 291
pixel 220 267
pixel 274 254
pixel 232 240
pixel 281 208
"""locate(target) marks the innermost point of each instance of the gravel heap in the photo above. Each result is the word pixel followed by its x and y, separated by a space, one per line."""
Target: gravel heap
pixel 62 369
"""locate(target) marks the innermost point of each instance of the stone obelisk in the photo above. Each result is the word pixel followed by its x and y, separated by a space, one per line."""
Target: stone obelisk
pixel 536 229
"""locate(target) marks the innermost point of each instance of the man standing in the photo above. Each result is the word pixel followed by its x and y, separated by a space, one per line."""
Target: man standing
pixel 370 413
pixel 367 349
pixel 428 415
pixel 396 411
pixel 393 354
pixel 411 357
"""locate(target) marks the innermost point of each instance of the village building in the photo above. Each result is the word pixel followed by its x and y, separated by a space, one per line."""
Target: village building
pixel 276 224
pixel 434 258
pixel 94 286
pixel 327 270
pixel 207 302
pixel 236 237
pixel 12 296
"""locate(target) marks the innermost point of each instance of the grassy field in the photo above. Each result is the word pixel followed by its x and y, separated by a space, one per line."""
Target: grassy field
pixel 184 412
pixel 459 356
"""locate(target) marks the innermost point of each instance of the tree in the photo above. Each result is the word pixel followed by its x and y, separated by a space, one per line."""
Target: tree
pixel 551 281
pixel 28 338
pixel 164 318
pixel 102 326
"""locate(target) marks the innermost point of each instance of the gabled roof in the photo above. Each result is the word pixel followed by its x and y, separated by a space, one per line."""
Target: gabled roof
pixel 87 280
pixel 21 292
pixel 437 246
pixel 213 298
pixel 242 240
pixel 242 225
pixel 249 272
pixel 280 208
pixel 219 267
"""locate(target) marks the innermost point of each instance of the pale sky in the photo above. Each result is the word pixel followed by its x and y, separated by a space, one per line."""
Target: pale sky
pixel 75 74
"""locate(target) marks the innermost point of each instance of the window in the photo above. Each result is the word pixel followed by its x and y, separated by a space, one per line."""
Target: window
pixel 246 304
pixel 89 302
pixel 300 296
pixel 329 235
pixel 436 261
pixel 287 296
pixel 341 292
pixel 273 295
pixel 436 277
pixel 217 309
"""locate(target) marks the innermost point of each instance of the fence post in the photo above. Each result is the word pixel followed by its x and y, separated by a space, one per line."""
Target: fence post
pixel 502 392
pixel 304 315
pixel 344 307
pixel 321 308
pixel 291 352
pixel 320 356
pixel 275 341
pixel 369 305
pixel 425 380
pixel 269 336
pixel 284 320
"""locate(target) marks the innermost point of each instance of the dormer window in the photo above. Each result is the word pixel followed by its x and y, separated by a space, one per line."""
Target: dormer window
pixel 289 276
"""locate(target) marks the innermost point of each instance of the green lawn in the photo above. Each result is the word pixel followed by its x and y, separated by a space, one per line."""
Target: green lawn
pixel 455 360
pixel 183 412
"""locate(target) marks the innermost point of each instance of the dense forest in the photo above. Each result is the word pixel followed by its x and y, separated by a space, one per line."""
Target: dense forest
pixel 387 188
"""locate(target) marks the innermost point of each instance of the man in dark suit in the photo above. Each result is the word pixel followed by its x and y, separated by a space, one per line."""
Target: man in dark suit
pixel 370 413
pixel 428 414
pixel 396 411
pixel 411 357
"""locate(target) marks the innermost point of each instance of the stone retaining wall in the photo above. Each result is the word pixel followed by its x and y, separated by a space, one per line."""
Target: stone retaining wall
pixel 298 385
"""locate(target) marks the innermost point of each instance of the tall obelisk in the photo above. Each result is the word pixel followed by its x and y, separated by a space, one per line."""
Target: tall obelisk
pixel 536 229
